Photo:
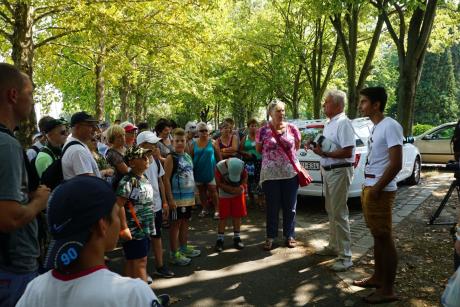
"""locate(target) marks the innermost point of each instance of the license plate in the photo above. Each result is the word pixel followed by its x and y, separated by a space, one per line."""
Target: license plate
pixel 310 165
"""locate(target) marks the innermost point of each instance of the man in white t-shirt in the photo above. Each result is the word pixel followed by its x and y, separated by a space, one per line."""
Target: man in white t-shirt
pixel 384 161
pixel 337 171
pixel 154 174
pixel 84 223
pixel 77 158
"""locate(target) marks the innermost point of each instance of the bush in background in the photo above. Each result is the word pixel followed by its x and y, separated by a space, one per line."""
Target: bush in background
pixel 420 128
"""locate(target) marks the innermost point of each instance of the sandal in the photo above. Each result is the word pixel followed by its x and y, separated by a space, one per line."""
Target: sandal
pixel 364 283
pixel 268 246
pixel 203 213
pixel 376 298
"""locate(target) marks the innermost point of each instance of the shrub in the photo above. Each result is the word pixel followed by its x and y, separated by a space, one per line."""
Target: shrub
pixel 420 128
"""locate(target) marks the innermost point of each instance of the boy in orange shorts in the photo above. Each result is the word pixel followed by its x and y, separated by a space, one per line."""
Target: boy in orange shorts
pixel 231 179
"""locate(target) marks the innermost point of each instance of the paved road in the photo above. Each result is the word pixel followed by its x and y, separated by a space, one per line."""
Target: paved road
pixel 282 277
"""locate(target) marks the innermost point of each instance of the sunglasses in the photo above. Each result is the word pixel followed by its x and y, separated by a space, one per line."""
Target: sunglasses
pixel 202 131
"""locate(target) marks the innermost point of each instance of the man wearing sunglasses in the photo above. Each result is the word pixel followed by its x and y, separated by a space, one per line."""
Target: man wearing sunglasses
pixel 78 160
pixel 56 135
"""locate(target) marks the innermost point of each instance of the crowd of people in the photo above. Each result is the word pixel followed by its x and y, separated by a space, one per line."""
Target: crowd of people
pixel 125 183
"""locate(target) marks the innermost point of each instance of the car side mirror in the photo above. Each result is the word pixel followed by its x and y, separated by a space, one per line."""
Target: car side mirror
pixel 428 137
pixel 409 139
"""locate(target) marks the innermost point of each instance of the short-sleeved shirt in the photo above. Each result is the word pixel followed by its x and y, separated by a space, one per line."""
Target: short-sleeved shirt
pixel 32 152
pixel 183 182
pixel 153 174
pixel 95 287
pixel 78 160
pixel 114 158
pixel 165 149
pixel 44 160
pixel 275 164
pixel 339 130
pixel 386 134
pixel 139 191
pixel 22 246
pixel 222 174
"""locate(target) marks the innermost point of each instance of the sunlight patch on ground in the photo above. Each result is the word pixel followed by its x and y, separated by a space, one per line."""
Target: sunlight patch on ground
pixel 237 269
pixel 304 294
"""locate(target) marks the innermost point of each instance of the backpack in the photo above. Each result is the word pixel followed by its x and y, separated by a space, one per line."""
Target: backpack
pixel 53 176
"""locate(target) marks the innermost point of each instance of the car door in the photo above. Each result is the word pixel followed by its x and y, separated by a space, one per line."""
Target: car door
pixel 436 147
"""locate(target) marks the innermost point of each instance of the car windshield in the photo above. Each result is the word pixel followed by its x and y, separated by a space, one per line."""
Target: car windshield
pixel 310 132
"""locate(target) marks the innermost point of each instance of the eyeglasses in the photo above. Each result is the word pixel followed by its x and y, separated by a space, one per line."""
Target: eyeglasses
pixel 203 131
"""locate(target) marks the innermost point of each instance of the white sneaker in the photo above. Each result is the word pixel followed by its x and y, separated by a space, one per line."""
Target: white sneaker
pixel 326 251
pixel 341 265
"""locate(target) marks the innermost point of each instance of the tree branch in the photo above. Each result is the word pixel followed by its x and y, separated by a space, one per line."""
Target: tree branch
pixel 6 35
pixel 428 20
pixel 40 17
pixel 75 62
pixel 8 6
pixel 54 37
pixel 6 18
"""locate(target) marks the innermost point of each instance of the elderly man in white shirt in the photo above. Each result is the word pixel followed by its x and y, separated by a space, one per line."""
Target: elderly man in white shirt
pixel 337 170
pixel 77 159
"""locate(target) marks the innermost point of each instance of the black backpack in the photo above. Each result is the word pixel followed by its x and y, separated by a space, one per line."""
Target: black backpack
pixel 53 176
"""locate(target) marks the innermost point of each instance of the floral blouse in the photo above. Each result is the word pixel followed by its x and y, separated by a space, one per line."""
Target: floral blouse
pixel 275 164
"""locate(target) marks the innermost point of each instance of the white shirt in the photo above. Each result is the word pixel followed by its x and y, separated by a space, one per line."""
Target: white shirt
pixel 31 153
pixel 340 131
pixel 152 175
pixel 97 287
pixel 386 134
pixel 78 160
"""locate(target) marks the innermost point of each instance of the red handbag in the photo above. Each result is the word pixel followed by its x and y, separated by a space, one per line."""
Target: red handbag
pixel 302 174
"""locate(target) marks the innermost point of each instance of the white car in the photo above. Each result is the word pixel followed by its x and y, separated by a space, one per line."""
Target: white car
pixel 410 171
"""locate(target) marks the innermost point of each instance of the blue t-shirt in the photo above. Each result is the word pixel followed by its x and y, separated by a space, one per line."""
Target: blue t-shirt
pixel 204 162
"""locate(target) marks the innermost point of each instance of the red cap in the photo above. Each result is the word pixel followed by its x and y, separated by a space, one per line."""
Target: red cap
pixel 130 127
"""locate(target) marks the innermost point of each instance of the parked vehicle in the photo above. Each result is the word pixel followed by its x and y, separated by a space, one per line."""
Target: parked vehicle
pixel 435 144
pixel 410 172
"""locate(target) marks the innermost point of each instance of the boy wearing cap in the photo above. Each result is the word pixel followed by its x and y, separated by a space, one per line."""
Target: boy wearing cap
pixel 154 174
pixel 84 226
pixel 56 134
pixel 231 179
pixel 135 194
pixel 77 159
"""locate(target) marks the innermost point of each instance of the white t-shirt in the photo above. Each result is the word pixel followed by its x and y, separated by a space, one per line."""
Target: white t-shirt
pixel 31 153
pixel 97 287
pixel 386 134
pixel 152 175
pixel 339 130
pixel 78 160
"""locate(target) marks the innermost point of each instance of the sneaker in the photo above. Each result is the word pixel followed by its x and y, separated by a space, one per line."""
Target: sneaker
pixel 164 299
pixel 341 265
pixel 189 252
pixel 178 259
pixel 219 246
pixel 203 213
pixel 149 280
pixel 216 215
pixel 237 243
pixel 164 272
pixel 326 251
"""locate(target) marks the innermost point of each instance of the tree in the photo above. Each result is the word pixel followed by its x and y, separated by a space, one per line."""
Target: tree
pixel 410 31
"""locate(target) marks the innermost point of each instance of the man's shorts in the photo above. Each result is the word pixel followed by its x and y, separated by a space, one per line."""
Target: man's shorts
pixel 158 223
pixel 181 213
pixel 136 249
pixel 212 182
pixel 234 207
pixel 12 286
pixel 377 212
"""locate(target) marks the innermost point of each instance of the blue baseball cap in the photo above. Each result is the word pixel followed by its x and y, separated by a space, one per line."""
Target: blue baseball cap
pixel 73 208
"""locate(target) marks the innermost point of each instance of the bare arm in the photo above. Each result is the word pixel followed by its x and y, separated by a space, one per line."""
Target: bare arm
pixel 122 168
pixel 341 153
pixel 226 187
pixel 15 216
pixel 217 154
pixel 164 205
pixel 167 181
pixel 125 233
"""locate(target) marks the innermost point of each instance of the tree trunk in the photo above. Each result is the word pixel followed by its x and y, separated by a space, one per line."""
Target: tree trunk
pixel 23 54
pixel 137 115
pixel 295 92
pixel 100 85
pixel 124 97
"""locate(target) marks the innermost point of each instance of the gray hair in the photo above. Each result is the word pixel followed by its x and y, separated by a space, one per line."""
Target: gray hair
pixel 272 105
pixel 201 126
pixel 338 97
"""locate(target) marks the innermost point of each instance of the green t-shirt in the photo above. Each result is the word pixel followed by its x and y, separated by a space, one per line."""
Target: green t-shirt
pixel 140 192
pixel 42 162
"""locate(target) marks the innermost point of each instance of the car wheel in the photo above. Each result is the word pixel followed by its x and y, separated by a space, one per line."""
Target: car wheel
pixel 415 176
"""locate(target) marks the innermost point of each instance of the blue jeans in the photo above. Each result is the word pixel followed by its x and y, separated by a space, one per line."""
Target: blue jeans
pixel 281 194
pixel 12 286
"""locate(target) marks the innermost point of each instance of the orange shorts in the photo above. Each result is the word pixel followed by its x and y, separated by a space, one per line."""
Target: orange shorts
pixel 377 212
pixel 234 207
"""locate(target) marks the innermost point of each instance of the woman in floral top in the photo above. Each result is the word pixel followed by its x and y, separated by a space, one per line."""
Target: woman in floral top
pixel 277 176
